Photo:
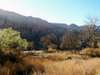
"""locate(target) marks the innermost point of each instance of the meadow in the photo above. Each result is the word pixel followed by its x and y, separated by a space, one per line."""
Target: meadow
pixel 53 63
pixel 68 63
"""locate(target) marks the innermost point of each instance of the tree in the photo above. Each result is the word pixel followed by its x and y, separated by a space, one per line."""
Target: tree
pixel 88 33
pixel 69 40
pixel 49 41
pixel 10 38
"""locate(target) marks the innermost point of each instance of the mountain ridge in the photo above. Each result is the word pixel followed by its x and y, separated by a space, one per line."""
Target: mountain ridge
pixel 33 28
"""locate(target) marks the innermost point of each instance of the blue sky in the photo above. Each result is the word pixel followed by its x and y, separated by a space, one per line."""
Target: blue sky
pixel 63 11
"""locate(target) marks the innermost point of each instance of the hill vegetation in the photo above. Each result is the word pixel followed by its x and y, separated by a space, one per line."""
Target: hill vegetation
pixel 35 30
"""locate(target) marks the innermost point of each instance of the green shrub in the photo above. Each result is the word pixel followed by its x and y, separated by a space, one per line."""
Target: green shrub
pixel 10 38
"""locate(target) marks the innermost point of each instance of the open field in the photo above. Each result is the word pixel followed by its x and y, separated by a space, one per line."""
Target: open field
pixel 65 63
pixel 73 67
pixel 55 63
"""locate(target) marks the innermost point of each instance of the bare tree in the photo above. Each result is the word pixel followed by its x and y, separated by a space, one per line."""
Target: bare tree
pixel 88 33
pixel 69 40
pixel 49 41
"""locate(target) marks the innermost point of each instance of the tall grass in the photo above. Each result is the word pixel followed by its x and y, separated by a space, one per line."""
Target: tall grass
pixel 73 67
pixel 49 64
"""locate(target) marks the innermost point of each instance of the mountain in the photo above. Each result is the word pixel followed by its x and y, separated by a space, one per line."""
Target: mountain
pixel 37 24
pixel 73 27
pixel 33 28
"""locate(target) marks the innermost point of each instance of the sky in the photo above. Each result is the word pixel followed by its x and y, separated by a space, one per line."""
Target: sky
pixel 60 11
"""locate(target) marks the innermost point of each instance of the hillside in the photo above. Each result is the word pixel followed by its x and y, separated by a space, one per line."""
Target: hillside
pixel 33 28
pixel 30 27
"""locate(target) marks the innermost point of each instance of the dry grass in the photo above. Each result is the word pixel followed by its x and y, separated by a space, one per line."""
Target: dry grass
pixel 93 52
pixel 59 63
pixel 73 67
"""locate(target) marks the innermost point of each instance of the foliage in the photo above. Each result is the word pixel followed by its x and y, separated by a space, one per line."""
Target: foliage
pixel 70 40
pixel 14 64
pixel 49 41
pixel 10 38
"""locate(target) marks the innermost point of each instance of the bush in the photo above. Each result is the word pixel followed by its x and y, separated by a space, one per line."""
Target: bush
pixel 12 64
pixel 93 52
pixel 10 38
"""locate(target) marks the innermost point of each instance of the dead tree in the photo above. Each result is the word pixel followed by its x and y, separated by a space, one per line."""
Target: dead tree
pixel 88 33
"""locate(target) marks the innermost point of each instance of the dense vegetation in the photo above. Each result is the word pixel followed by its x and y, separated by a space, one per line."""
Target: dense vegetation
pixel 43 35
pixel 10 38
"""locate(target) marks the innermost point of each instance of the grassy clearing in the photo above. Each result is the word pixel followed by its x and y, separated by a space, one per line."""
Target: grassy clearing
pixel 74 67
pixel 69 63
pixel 56 63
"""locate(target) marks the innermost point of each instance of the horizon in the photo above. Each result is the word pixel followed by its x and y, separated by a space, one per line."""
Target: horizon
pixel 64 11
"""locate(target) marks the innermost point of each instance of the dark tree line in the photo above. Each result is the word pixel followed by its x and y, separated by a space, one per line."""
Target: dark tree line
pixel 46 37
